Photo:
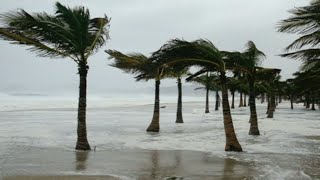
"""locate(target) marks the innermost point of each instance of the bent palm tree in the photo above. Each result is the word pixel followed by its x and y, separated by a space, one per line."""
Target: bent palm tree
pixel 69 33
pixel 203 53
pixel 253 58
pixel 145 69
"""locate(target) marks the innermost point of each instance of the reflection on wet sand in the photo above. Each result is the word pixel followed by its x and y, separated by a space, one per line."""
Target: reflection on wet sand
pixel 47 164
pixel 173 165
pixel 81 160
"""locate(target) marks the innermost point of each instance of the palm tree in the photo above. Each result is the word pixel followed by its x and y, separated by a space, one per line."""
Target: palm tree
pixel 268 78
pixel 306 86
pixel 210 83
pixel 203 53
pixel 243 83
pixel 143 68
pixel 233 85
pixel 253 58
pixel 290 90
pixel 178 73
pixel 69 33
pixel 304 21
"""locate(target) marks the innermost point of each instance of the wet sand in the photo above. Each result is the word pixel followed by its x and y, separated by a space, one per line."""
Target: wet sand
pixel 59 164
pixel 61 178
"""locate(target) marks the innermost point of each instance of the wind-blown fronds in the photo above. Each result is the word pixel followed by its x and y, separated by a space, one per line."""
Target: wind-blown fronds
pixel 134 63
pixel 176 72
pixel 195 53
pixel 253 55
pixel 311 65
pixel 304 22
pixel 210 81
pixel 304 55
pixel 312 39
pixel 36 46
pixel 67 33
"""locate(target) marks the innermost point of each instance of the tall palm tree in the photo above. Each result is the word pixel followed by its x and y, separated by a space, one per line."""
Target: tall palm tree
pixel 143 68
pixel 203 53
pixel 253 57
pixel 178 72
pixel 69 33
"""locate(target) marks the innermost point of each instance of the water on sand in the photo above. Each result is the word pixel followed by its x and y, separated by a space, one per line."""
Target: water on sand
pixel 37 139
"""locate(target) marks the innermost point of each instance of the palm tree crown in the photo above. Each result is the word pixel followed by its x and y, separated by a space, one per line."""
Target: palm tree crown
pixel 68 33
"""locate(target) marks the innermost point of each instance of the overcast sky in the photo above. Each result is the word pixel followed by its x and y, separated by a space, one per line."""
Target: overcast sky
pixel 143 26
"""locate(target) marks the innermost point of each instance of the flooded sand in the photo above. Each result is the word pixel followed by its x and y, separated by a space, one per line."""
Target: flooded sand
pixel 37 142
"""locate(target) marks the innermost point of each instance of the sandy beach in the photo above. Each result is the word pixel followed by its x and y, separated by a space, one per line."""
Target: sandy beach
pixel 37 142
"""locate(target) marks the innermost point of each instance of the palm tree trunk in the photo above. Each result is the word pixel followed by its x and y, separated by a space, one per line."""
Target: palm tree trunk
pixel 232 143
pixel 313 103
pixel 154 125
pixel 254 130
pixel 262 98
pixel 280 98
pixel 82 141
pixel 268 101
pixel 241 100
pixel 291 101
pixel 207 100
pixel 307 101
pixel 272 104
pixel 232 103
pixel 245 100
pixel 179 118
pixel 217 101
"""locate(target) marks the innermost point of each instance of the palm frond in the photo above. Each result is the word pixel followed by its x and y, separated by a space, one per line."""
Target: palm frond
pixel 312 39
pixel 136 64
pixel 41 49
pixel 255 56
pixel 209 81
pixel 303 20
pixel 310 65
pixel 304 55
pixel 199 52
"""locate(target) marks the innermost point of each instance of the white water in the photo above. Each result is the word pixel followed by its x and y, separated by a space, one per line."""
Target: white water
pixel 282 151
